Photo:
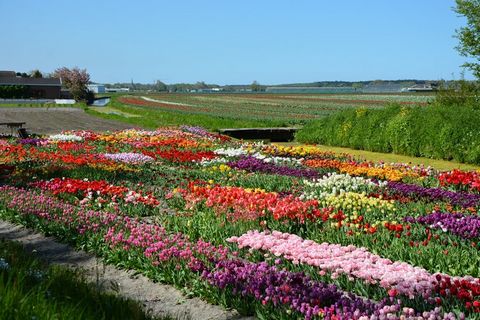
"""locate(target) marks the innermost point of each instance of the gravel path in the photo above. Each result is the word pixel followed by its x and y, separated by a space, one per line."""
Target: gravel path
pixel 54 120
pixel 157 299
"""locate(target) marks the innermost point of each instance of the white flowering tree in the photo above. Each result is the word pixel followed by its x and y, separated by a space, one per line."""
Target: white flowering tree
pixel 76 80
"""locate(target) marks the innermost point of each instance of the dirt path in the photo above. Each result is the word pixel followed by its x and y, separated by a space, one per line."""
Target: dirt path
pixel 54 120
pixel 168 102
pixel 157 300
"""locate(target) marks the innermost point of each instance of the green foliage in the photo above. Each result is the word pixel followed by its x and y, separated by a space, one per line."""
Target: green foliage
pixel 13 92
pixel 460 93
pixel 255 86
pixel 160 86
pixel 469 36
pixel 29 289
pixel 36 74
pixel 434 131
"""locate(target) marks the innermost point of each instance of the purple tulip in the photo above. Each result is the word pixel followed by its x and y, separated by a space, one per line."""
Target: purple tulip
pixel 195 130
pixel 296 290
pixel 33 141
pixel 462 199
pixel 249 163
pixel 464 226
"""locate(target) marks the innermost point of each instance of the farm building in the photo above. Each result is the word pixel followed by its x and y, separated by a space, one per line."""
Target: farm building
pixel 206 90
pixel 5 74
pixel 96 88
pixel 310 90
pixel 420 88
pixel 117 89
pixel 46 88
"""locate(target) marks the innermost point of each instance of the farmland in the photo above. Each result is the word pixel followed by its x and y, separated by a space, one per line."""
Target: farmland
pixel 240 110
pixel 274 231
pixel 220 160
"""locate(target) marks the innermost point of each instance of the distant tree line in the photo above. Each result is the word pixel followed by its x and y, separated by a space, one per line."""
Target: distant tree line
pixel 76 80
pixel 356 84
pixel 159 86
pixel 255 86
pixel 32 74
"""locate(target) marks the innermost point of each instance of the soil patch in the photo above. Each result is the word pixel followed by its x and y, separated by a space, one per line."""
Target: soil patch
pixel 55 120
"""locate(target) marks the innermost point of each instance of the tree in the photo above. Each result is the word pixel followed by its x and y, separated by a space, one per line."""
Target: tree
pixel 36 74
pixel 200 85
pixel 255 86
pixel 357 86
pixel 469 36
pixel 160 86
pixel 76 80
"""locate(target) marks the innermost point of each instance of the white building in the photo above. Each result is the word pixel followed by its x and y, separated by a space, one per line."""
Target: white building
pixel 419 88
pixel 96 88
pixel 117 89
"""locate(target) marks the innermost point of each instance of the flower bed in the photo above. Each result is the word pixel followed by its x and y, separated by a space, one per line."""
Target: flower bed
pixel 339 238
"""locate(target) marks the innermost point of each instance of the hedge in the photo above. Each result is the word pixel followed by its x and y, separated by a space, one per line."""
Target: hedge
pixel 13 92
pixel 449 133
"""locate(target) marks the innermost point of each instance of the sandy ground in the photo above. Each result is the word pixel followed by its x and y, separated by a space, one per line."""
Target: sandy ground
pixel 157 299
pixel 55 120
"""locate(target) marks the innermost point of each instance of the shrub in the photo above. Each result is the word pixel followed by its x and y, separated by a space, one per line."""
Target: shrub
pixel 461 93
pixel 13 92
pixel 434 131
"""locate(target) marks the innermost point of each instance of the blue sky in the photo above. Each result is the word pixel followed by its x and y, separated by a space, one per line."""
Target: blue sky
pixel 233 42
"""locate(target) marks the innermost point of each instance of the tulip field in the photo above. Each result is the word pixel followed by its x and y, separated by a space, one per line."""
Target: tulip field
pixel 277 232
pixel 270 107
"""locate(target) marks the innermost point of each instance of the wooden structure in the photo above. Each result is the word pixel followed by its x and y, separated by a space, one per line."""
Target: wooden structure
pixel 13 126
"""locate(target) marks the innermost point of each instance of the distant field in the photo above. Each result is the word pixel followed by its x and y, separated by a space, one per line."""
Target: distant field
pixel 293 108
pixel 216 111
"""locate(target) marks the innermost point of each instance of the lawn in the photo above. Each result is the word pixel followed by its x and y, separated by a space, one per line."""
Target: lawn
pixel 30 289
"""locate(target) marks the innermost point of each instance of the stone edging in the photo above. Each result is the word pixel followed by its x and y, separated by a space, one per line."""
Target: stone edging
pixel 158 300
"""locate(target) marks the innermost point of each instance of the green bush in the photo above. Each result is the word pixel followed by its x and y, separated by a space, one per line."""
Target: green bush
pixel 437 131
pixel 13 92
pixel 461 93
